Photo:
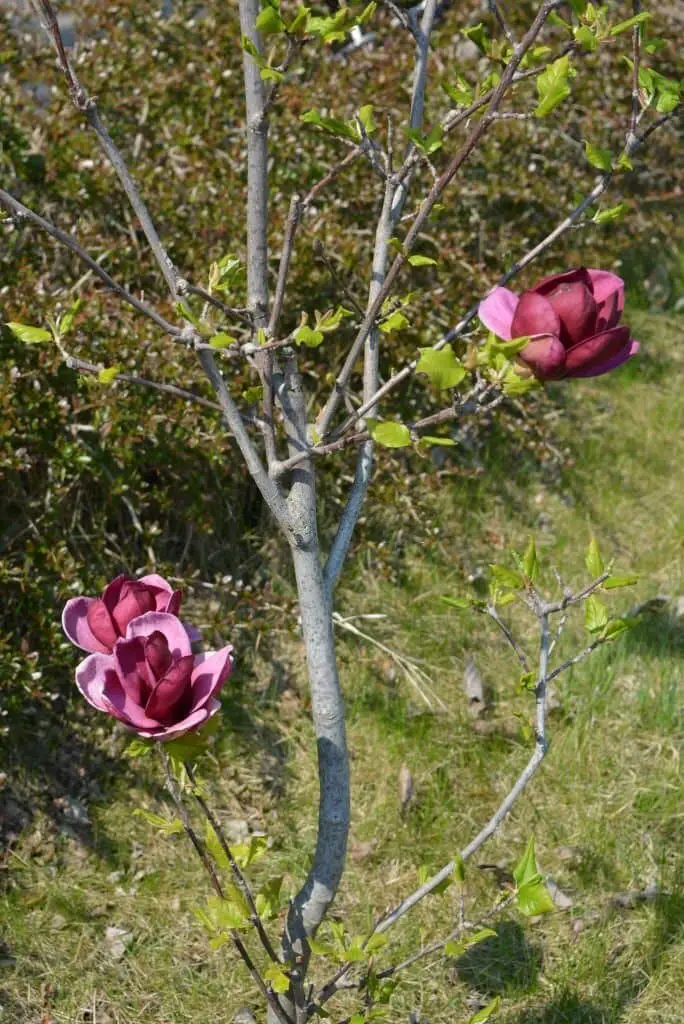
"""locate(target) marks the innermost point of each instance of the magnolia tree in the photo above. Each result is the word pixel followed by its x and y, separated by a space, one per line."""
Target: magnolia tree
pixel 145 664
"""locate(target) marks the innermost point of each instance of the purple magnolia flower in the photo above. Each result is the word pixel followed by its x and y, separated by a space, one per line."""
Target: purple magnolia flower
pixel 96 623
pixel 573 320
pixel 152 682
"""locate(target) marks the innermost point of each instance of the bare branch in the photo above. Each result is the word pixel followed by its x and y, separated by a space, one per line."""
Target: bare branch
pixel 19 210
pixel 520 654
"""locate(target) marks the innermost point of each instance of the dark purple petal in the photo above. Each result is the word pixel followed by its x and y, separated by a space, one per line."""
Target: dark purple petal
pixel 590 354
pixel 134 672
pixel 172 628
pixel 101 625
pixel 75 625
pixel 135 599
pixel 574 304
pixel 158 654
pixel 174 603
pixel 122 707
pixel 545 357
pixel 112 592
pixel 580 275
pixel 534 315
pixel 610 364
pixel 194 720
pixel 171 699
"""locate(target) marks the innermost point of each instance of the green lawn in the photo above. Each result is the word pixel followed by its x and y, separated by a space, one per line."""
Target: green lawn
pixel 606 808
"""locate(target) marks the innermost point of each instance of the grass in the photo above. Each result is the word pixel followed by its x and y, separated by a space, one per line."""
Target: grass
pixel 605 809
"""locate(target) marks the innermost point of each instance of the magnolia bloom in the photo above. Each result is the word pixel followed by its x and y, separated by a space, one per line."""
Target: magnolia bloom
pixel 573 320
pixel 96 623
pixel 152 682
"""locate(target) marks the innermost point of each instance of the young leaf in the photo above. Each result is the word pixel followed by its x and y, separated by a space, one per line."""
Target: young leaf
pixel 533 899
pixel 269 21
pixel 527 681
pixel 456 602
pixel 222 340
pixel 167 826
pixel 595 614
pixel 422 261
pixel 602 159
pixel 459 869
pixel 29 335
pixel 506 577
pixel 624 26
pixel 526 870
pixel 330 125
pixel 252 849
pixel 441 366
pixel 586 38
pixel 278 978
pixel 614 628
pixel 376 942
pixel 530 561
pixel 593 561
pixel 308 336
pixel 394 322
pixel 253 395
pixel 610 214
pixel 477 35
pixel 323 949
pixel 552 86
pixel 391 435
pixel 627 579
pixel 443 442
pixel 365 116
pixel 486 1012
pixel 66 320
pixel 108 374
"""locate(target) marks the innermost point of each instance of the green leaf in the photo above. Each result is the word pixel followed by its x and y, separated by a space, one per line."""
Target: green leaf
pixel 305 335
pixel 366 118
pixel 298 25
pixel 612 213
pixel 515 385
pixel 461 94
pixel 595 614
pixel 253 395
pixel 614 627
pixel 459 869
pixel 627 579
pixel 367 13
pixel 443 442
pixel 331 320
pixel 278 978
pixel 624 26
pixel 586 38
pixel 29 335
pixel 454 948
pixel 441 366
pixel 422 261
pixel 530 561
pixel 499 346
pixel 486 1012
pixel 533 899
pixel 394 322
pixel 66 320
pixel 167 826
pixel 506 577
pixel 108 374
pixel 330 125
pixel 526 870
pixel 667 102
pixel 139 748
pixel 552 86
pixel 376 942
pixel 269 21
pixel 477 35
pixel 527 681
pixel 391 435
pixel 323 949
pixel 427 144
pixel 593 560
pixel 222 340
pixel 456 602
pixel 602 159
pixel 267 901
pixel 268 74
pixel 251 850
pixel 357 1018
pixel 231 912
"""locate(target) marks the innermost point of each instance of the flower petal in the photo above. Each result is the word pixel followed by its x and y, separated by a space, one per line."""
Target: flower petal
pixel 112 592
pixel 194 720
pixel 210 673
pixel 579 275
pixel 133 670
pixel 545 357
pixel 574 304
pixel 75 625
pixel 535 315
pixel 172 628
pixel 610 364
pixel 101 625
pixel 496 312
pixel 134 600
pixel 91 675
pixel 171 698
pixel 122 707
pixel 590 354
pixel 604 285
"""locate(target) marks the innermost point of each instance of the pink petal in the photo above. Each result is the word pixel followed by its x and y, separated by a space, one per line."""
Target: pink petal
pixel 101 624
pixel 133 670
pixel 153 580
pixel 497 310
pixel 604 285
pixel 172 628
pixel 210 673
pixel 123 707
pixel 535 315
pixel 134 600
pixel 173 604
pixel 579 275
pixel 610 364
pixel 545 357
pixel 591 354
pixel 112 592
pixel 75 625
pixel 91 676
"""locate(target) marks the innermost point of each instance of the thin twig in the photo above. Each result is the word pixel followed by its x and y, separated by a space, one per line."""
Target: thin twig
pixel 636 60
pixel 520 654
pixel 503 25
pixel 233 312
pixel 21 211
pixel 240 879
